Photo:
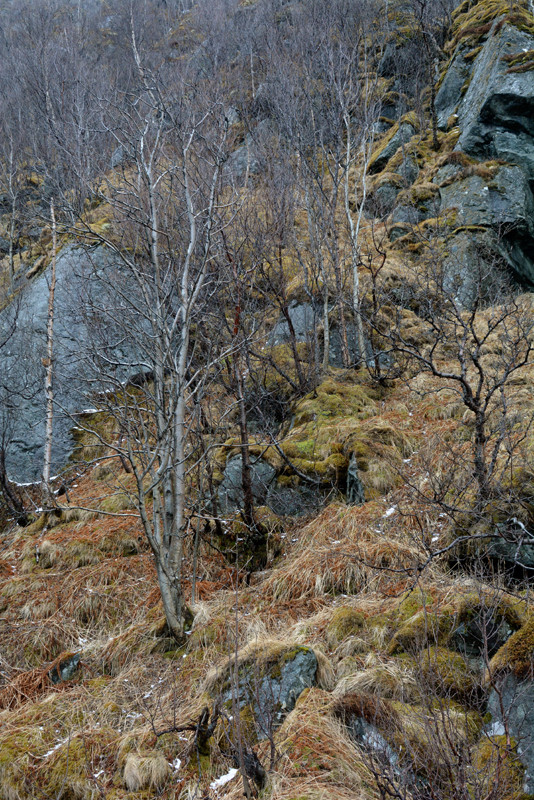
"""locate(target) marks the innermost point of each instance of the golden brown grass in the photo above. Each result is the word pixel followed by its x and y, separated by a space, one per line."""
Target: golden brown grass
pixel 344 551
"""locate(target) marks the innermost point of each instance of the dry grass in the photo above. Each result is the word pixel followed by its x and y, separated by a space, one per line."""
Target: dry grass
pixel 345 551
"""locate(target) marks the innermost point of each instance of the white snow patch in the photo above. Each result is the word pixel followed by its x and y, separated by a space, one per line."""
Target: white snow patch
pixel 56 747
pixel 496 729
pixel 224 779
pixel 176 764
pixel 390 511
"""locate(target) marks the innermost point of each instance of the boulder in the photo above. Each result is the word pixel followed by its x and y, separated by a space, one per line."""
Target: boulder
pixel 270 683
pixel 511 706
pixel 231 491
pixel 401 136
pixel 496 115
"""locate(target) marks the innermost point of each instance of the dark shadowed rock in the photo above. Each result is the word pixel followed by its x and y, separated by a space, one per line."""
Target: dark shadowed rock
pixel 496 115
pixel 355 490
pixel 66 669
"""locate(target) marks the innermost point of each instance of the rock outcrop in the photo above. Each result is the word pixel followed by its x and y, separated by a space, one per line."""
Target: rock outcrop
pixel 80 275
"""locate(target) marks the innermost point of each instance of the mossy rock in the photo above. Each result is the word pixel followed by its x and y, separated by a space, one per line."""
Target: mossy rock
pixel 517 654
pixel 345 622
pixel 423 629
pixel 270 678
pixel 495 762
pixel 448 675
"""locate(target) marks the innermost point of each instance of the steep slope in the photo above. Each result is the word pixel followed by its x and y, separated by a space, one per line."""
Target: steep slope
pixel 372 636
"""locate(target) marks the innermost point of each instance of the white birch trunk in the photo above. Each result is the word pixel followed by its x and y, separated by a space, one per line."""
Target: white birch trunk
pixel 48 497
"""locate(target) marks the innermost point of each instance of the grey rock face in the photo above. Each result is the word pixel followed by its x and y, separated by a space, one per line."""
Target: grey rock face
pixel 446 173
pixel 515 698
pixel 496 115
pixel 231 491
pixel 80 275
pixel 273 690
pixel 467 266
pixel 409 169
pixel 385 197
pixel 506 202
pixel 304 320
pixel 505 206
pixel 450 91
pixel 401 136
pixel 410 215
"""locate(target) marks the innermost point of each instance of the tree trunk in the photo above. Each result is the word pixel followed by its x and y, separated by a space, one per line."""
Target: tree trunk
pixel 48 497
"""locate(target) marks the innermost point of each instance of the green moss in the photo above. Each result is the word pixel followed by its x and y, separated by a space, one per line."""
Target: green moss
pixel 422 629
pixel 448 674
pixel 495 762
pixel 345 622
pixel 517 654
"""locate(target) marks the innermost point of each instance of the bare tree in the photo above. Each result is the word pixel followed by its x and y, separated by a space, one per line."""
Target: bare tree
pixel 166 223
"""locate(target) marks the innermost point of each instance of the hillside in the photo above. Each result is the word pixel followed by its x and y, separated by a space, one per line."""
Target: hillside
pixel 280 545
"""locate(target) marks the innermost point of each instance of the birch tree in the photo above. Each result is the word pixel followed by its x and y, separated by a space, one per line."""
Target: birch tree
pixel 164 202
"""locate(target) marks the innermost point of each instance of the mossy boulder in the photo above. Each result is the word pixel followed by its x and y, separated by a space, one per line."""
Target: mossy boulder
pixel 517 654
pixel 425 628
pixel 267 678
pixel 448 675
pixel 496 762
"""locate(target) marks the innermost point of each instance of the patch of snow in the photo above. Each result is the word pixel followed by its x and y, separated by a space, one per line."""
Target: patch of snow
pixel 56 747
pixel 496 729
pixel 176 764
pixel 390 511
pixel 224 779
